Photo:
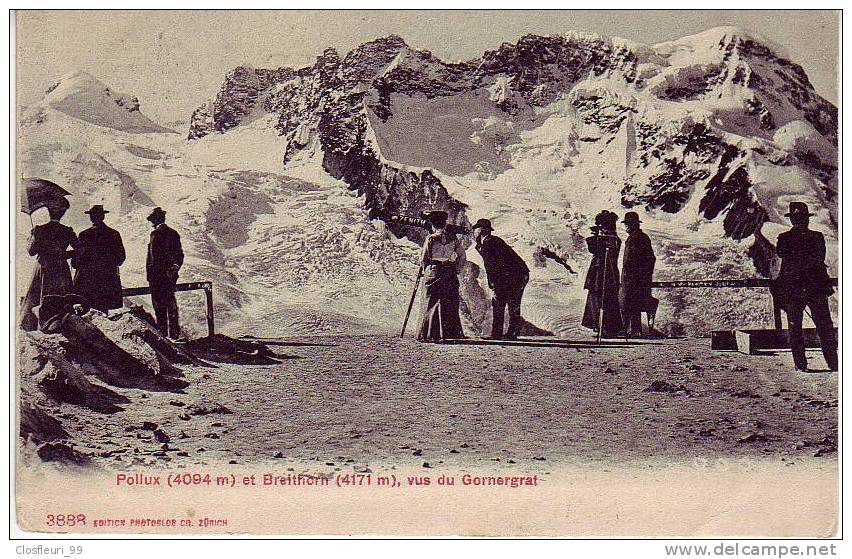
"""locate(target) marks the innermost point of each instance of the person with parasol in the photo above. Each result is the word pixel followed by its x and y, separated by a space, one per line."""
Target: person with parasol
pixel 49 243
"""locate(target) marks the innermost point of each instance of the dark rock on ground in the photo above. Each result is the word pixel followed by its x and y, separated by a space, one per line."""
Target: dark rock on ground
pixel 222 349
pixel 207 409
pixel 161 436
pixel 754 438
pixel 39 425
pixel 665 387
pixel 61 452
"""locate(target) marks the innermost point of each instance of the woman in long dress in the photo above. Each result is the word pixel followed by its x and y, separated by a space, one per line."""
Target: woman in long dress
pixel 603 279
pixel 49 243
pixel 442 258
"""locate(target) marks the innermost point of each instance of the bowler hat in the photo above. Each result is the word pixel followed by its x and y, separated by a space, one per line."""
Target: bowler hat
pixel 797 209
pixel 483 224
pixel 157 212
pixel 631 217
pixel 97 209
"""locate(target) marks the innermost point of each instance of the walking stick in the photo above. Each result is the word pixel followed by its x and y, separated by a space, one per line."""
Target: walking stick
pixel 411 302
pixel 603 294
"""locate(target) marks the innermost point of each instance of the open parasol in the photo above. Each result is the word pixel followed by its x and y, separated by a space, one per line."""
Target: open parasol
pixel 40 193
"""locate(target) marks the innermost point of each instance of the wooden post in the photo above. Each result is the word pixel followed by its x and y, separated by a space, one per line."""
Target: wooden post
pixel 189 286
pixel 776 311
pixel 208 295
pixel 411 302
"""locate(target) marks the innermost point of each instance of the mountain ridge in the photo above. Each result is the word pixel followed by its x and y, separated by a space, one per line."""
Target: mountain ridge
pixel 751 90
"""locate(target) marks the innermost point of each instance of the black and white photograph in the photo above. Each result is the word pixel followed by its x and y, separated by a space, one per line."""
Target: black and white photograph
pixel 560 273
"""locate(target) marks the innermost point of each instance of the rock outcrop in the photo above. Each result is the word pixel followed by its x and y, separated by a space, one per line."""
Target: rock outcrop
pixel 97 366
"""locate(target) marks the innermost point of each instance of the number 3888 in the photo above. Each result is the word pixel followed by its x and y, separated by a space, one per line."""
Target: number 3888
pixel 66 519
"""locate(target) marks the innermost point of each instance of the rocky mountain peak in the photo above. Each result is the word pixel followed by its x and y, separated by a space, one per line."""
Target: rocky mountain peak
pixel 391 41
pixel 365 62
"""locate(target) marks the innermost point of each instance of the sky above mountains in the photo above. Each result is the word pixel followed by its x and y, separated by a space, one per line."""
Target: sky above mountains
pixel 175 60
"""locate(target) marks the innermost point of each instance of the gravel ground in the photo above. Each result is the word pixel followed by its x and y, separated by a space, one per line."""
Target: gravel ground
pixel 338 403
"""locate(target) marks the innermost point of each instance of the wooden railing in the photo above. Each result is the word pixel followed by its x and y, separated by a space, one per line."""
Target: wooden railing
pixel 736 283
pixel 207 286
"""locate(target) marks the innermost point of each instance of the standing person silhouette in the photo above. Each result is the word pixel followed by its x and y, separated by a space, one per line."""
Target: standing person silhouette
pixel 637 271
pixel 508 275
pixel 49 243
pixel 442 258
pixel 603 313
pixel 804 282
pixel 101 253
pixel 165 258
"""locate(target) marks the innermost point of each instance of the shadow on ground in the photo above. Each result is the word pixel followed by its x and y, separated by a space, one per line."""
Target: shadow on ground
pixel 223 349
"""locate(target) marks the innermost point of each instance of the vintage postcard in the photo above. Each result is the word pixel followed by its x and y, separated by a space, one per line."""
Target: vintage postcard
pixel 427 273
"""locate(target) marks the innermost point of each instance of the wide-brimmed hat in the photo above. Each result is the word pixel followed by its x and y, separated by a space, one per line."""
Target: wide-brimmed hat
pixel 97 209
pixel 631 217
pixel 156 213
pixel 797 209
pixel 484 224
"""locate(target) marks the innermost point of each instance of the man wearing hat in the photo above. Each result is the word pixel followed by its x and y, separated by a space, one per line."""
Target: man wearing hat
pixel 637 270
pixel 96 262
pixel 804 282
pixel 165 257
pixel 507 274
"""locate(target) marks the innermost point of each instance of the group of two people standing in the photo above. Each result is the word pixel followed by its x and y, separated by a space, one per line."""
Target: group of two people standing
pixel 442 259
pixel 96 257
pixel 616 301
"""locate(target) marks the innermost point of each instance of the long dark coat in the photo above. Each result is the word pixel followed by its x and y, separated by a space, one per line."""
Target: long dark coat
pixel 165 256
pixel 49 243
pixel 602 282
pixel 97 278
pixel 637 271
pixel 803 273
pixel 503 266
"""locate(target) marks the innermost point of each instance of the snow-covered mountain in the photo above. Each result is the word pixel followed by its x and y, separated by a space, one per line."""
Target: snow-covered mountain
pixel 287 252
pixel 84 97
pixel 706 137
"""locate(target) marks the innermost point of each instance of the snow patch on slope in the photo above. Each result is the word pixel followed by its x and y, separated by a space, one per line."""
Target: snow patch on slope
pixel 82 96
